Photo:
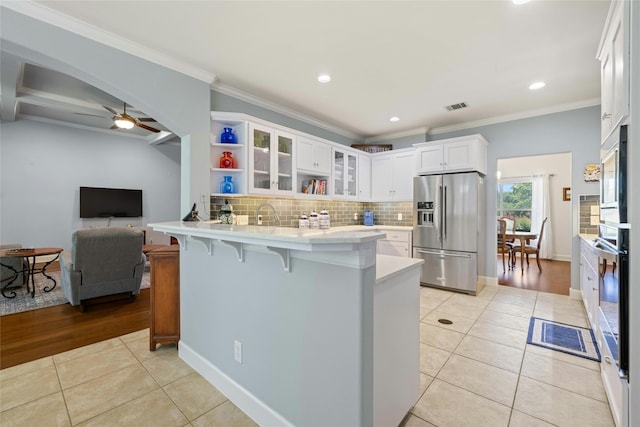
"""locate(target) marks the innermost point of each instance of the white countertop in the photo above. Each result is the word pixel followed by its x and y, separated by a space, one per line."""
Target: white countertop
pixel 270 235
pixel 388 266
pixel 588 238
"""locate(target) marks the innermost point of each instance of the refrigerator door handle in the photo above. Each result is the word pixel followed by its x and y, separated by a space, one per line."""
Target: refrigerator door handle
pixel 444 207
pixel 420 251
pixel 441 211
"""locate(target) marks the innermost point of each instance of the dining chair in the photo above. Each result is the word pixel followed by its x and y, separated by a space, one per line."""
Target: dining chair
pixel 504 247
pixel 511 223
pixel 533 249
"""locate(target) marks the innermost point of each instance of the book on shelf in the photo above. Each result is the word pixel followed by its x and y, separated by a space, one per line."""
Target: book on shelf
pixel 314 186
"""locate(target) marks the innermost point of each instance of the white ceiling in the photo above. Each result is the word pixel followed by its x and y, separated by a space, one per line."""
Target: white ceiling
pixel 386 58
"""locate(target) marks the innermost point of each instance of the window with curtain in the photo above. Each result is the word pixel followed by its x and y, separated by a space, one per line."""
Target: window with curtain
pixel 515 201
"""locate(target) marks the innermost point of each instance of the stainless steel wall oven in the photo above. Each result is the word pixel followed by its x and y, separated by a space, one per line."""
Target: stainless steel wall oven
pixel 612 248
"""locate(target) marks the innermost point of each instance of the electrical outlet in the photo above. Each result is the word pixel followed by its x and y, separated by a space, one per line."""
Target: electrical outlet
pixel 259 219
pixel 355 216
pixel 237 351
pixel 399 217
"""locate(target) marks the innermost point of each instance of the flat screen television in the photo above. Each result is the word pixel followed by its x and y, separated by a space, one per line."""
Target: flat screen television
pixel 110 202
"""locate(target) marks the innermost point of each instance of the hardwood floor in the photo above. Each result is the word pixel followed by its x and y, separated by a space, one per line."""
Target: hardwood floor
pixel 33 334
pixel 555 277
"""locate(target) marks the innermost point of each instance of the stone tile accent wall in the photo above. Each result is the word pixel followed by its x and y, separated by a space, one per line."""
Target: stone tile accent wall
pixel 289 210
pixel 586 202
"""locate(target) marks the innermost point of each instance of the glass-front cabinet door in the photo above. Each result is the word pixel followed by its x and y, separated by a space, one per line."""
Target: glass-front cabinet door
pixel 345 173
pixel 270 161
pixel 260 178
pixel 284 153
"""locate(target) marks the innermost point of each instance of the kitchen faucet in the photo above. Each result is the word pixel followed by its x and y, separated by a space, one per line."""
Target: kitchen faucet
pixel 275 214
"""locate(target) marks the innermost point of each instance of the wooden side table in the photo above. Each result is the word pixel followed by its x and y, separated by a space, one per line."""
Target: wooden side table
pixel 165 296
pixel 31 271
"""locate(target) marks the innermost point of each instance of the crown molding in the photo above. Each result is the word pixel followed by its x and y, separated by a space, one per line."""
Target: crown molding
pixel 401 134
pixel 270 105
pixel 516 116
pixel 55 18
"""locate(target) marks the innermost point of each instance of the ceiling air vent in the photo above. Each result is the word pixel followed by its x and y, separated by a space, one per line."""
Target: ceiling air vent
pixel 457 106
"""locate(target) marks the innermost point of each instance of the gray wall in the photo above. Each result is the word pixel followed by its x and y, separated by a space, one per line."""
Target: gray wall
pixel 576 132
pixel 43 165
pixel 179 102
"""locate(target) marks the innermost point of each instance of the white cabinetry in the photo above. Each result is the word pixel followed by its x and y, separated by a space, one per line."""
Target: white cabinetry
pixel 364 177
pixel 270 161
pixel 614 69
pixel 345 174
pixel 396 243
pixel 313 156
pixel 313 161
pixel 467 153
pixel 239 127
pixel 392 176
pixel 589 281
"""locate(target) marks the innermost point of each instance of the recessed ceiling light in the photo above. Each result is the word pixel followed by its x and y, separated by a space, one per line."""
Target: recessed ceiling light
pixel 394 119
pixel 520 1
pixel 324 78
pixel 537 85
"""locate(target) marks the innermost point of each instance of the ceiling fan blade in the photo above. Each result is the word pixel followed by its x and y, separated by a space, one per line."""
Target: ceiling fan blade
pixel 111 110
pixel 149 128
pixel 145 119
pixel 92 115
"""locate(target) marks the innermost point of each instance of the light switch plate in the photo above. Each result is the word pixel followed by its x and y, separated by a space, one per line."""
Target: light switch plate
pixel 595 219
pixel 595 210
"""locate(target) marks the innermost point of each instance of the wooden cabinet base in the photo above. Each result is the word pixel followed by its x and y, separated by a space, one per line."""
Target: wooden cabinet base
pixel 165 296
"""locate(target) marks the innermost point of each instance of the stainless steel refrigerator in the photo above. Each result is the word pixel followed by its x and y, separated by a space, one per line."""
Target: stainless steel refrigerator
pixel 449 230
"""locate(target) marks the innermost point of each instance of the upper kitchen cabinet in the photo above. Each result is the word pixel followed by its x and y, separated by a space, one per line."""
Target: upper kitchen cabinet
pixel 313 161
pixel 345 174
pixel 392 176
pixel 364 177
pixel 313 156
pixel 463 154
pixel 271 154
pixel 228 159
pixel 613 54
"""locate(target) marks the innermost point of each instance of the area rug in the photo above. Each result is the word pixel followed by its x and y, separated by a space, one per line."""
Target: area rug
pixel 24 302
pixel 558 336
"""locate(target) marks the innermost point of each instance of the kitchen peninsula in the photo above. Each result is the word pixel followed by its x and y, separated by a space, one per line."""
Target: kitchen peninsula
pixel 300 327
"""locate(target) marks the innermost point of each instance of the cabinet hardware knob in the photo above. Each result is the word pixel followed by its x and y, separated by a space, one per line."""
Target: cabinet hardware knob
pixel 594 289
pixel 606 116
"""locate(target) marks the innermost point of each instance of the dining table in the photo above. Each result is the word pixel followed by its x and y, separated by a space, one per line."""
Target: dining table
pixel 524 237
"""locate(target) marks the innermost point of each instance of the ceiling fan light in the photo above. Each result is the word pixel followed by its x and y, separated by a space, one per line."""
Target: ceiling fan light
pixel 123 123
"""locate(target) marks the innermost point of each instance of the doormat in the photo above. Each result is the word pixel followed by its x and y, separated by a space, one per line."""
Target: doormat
pixel 562 337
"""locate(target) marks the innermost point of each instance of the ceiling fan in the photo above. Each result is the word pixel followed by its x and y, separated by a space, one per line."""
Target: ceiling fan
pixel 125 121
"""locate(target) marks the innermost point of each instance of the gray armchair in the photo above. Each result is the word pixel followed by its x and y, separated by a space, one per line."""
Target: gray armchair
pixel 103 261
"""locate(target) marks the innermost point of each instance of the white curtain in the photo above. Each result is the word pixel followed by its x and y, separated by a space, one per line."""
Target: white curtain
pixel 541 209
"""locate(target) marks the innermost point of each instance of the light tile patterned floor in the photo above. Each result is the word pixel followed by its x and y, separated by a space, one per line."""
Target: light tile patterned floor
pixel 480 371
pixel 477 372
pixel 117 382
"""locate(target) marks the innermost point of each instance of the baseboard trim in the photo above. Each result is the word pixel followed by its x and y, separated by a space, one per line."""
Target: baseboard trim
pixel 575 294
pixel 241 397
pixel 488 281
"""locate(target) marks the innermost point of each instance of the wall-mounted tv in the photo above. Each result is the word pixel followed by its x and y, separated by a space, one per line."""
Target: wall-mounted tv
pixel 110 202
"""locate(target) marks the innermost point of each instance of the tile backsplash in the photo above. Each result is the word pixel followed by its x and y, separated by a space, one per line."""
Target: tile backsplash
pixel 341 212
pixel 589 213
